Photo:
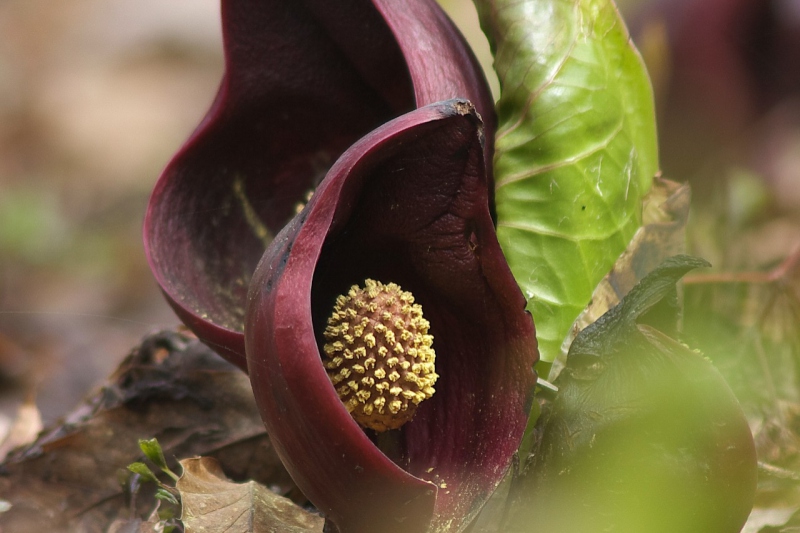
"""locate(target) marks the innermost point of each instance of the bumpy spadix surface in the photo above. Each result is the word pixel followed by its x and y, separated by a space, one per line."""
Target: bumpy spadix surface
pixel 379 354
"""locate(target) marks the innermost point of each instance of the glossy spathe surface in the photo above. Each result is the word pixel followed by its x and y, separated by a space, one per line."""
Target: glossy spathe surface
pixel 408 203
pixel 303 81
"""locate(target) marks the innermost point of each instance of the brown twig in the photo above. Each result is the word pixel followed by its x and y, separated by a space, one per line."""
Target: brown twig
pixel 779 273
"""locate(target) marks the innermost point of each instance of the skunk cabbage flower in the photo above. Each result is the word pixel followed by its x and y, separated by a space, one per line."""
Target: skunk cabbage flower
pixel 387 342
pixel 304 79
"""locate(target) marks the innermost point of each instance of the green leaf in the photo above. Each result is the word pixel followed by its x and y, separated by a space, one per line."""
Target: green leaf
pixel 644 434
pixel 163 494
pixel 152 450
pixel 144 471
pixel 576 149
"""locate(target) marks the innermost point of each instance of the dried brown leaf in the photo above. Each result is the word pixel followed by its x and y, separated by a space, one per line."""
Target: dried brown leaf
pixel 195 403
pixel 211 502
pixel 24 429
pixel 768 520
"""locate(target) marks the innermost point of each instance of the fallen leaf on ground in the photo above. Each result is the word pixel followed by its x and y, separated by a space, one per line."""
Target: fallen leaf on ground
pixel 211 502
pixel 172 387
pixel 24 428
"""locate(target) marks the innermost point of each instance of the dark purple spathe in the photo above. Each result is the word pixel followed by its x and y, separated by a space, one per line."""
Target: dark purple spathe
pixel 408 203
pixel 304 79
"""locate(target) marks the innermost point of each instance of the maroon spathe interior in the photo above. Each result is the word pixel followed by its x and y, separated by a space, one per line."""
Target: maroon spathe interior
pixel 295 95
pixel 420 218
pixel 407 203
pixel 304 80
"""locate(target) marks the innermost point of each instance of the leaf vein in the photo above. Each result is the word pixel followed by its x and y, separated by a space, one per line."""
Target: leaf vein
pixel 601 145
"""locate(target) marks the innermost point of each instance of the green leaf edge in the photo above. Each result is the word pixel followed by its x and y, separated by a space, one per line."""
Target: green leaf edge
pixel 144 471
pixel 544 194
pixel 152 450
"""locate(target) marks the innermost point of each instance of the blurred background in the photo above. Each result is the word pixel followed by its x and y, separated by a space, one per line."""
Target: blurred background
pixel 95 96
